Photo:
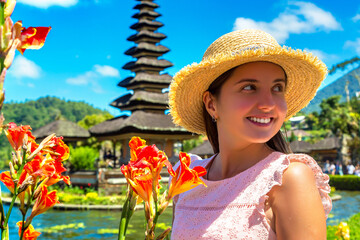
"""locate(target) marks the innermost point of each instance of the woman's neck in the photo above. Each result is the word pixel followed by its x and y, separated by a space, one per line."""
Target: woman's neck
pixel 230 162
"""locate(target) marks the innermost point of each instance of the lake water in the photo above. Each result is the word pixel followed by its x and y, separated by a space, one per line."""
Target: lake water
pixel 86 225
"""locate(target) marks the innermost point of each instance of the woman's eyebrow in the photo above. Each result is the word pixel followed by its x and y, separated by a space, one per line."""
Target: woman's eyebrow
pixel 247 80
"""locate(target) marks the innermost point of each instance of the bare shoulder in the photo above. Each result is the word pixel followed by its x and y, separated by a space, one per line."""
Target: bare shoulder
pixel 297 206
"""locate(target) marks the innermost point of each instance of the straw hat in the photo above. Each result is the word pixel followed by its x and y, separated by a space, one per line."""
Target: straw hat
pixel 304 71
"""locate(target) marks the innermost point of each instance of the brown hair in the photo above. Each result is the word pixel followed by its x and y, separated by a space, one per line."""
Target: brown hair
pixel 277 142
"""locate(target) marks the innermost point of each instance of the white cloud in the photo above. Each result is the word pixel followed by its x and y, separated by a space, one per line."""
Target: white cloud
pixel 30 85
pixel 49 3
pixel 91 78
pixel 83 79
pixel 356 17
pixel 24 68
pixel 107 71
pixel 353 44
pixel 298 17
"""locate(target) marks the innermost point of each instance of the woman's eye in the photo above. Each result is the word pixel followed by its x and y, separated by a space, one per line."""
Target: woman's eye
pixel 249 87
pixel 279 88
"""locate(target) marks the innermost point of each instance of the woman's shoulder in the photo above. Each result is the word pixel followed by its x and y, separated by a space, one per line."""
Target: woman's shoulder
pixel 195 160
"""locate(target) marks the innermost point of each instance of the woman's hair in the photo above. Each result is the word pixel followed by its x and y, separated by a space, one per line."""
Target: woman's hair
pixel 277 142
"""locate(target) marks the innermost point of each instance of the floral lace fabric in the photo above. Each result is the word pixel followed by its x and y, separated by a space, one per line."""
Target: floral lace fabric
pixel 233 208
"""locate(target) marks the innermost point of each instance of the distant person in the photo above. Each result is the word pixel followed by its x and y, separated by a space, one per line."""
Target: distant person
pixel 357 170
pixel 326 168
pixel 240 94
pixel 350 169
pixel 332 168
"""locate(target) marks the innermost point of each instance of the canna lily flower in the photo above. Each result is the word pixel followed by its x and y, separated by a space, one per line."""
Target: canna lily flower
pixel 29 233
pixel 5 177
pixel 32 38
pixel 44 202
pixel 16 135
pixel 140 181
pixel 57 149
pixel 135 145
pixel 185 178
pixel 41 167
pixel 56 177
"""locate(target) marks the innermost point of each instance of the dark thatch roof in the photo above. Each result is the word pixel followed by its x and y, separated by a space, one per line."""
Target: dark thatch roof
pixel 138 121
pixel 141 97
pixel 163 79
pixel 147 34
pixel 147 48
pixel 148 62
pixel 203 149
pixel 64 128
pixel 146 23
pixel 325 144
pixel 147 13
pixel 143 4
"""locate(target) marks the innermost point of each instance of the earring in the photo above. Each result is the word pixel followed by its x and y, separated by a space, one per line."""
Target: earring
pixel 213 119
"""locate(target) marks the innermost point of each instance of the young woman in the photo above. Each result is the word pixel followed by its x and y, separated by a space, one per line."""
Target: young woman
pixel 239 95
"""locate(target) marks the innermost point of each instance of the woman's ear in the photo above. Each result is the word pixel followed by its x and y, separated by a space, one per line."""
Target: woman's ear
pixel 210 104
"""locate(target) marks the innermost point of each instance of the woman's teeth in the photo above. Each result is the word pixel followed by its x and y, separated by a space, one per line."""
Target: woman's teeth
pixel 260 120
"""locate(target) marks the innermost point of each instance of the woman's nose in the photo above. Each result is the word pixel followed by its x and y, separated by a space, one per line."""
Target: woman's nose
pixel 266 101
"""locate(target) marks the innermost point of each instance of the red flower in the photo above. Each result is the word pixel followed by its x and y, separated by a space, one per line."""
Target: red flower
pixel 32 38
pixel 16 135
pixel 185 178
pixel 56 177
pixel 7 180
pixel 43 202
pixel 140 181
pixel 135 145
pixel 29 233
pixel 57 149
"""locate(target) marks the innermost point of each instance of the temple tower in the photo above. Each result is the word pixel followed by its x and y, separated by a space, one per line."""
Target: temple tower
pixel 149 101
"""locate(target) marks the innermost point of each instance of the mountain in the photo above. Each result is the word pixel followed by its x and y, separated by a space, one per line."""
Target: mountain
pixel 336 88
pixel 45 110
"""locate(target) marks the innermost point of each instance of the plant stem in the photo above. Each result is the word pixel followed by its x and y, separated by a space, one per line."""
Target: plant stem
pixel 11 206
pixel 123 219
pixel 2 22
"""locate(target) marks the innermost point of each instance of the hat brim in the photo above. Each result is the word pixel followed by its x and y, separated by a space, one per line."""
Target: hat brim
pixel 304 71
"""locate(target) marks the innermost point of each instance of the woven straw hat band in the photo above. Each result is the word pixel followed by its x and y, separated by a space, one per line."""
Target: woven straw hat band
pixel 238 41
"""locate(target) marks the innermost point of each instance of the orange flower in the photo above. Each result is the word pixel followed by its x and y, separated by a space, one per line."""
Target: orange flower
pixel 29 233
pixel 185 178
pixel 32 38
pixel 7 180
pixel 43 202
pixel 140 181
pixel 40 166
pixel 57 149
pixel 135 145
pixel 16 135
pixel 56 177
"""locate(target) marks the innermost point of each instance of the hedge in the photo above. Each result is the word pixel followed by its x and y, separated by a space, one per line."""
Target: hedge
pixel 345 182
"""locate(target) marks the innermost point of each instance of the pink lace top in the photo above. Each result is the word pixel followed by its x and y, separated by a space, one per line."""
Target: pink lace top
pixel 233 208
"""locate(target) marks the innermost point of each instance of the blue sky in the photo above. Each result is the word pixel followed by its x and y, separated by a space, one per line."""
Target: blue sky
pixel 83 56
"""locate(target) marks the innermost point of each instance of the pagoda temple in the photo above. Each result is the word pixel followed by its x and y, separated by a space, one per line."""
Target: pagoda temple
pixel 149 101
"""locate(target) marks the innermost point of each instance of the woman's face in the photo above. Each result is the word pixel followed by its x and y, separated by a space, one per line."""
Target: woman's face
pixel 251 105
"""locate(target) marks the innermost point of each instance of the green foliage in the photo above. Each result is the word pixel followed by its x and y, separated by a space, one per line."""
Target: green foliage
pixel 47 109
pixel 91 120
pixel 83 158
pixel 354 148
pixel 345 182
pixel 354 225
pixel 192 143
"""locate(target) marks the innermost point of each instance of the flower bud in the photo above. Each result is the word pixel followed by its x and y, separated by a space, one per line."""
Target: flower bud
pixel 12 171
pixel 28 181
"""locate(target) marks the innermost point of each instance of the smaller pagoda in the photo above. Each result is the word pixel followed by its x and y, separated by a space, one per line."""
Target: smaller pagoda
pixel 149 101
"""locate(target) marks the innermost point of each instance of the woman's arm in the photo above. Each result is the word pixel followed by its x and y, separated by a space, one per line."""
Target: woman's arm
pixel 299 213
